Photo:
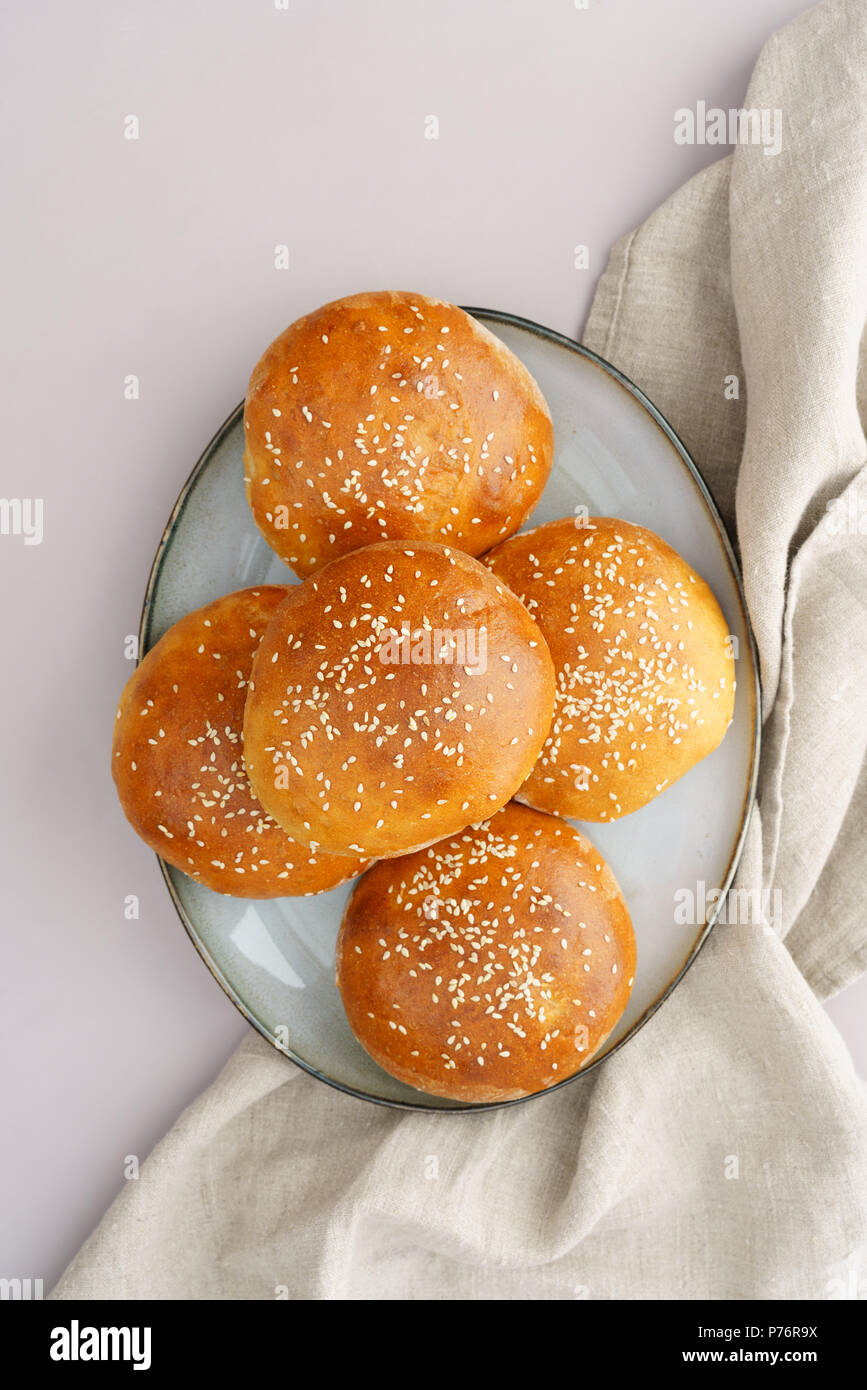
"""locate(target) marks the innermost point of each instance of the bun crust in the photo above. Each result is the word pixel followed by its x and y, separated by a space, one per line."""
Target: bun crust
pixel 645 674
pixel 490 966
pixel 178 766
pixel 357 742
pixel 391 416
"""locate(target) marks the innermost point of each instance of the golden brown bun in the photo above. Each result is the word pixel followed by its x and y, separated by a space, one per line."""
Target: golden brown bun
pixel 178 766
pixel 354 750
pixel 491 965
pixel 645 675
pixel 391 416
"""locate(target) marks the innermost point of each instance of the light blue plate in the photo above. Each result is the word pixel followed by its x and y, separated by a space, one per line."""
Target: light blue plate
pixel 616 455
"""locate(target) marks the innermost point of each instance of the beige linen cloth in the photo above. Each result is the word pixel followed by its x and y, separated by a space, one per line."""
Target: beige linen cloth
pixel 624 1184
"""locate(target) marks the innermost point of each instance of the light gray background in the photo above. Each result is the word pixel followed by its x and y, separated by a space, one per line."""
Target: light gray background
pixel 259 126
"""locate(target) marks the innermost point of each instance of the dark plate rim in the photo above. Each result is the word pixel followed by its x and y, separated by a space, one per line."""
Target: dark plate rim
pixel 693 472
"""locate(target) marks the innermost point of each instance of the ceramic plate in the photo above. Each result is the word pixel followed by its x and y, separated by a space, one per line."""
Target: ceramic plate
pixel 617 456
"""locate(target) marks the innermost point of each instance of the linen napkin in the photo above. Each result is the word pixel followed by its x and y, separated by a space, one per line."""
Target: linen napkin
pixel 723 1152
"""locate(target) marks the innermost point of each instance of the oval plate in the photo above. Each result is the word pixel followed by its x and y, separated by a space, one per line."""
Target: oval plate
pixel 616 455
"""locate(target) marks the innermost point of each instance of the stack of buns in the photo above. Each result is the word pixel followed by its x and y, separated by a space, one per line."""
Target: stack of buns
pixel 354 747
pixel 645 670
pixel 386 417
pixel 493 964
pixel 387 716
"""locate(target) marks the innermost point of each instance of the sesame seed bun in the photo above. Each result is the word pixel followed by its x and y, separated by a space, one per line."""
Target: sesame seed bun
pixel 645 674
pixel 178 765
pixel 491 965
pixel 391 416
pixel 360 740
